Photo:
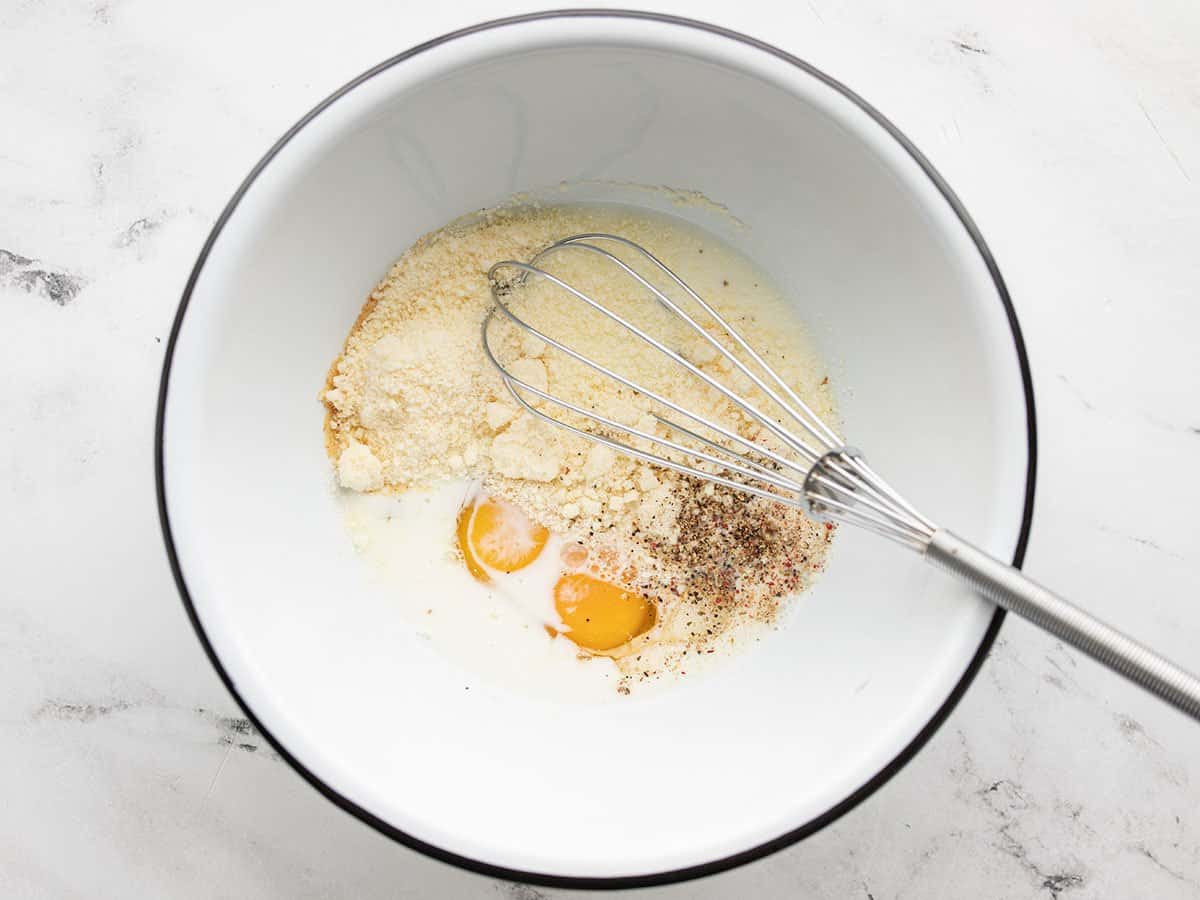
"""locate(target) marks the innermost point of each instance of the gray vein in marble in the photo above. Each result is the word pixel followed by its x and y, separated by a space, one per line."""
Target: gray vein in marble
pixel 34 278
pixel 237 733
pixel 1145 542
pixel 1064 678
pixel 1171 426
pixel 1054 680
pixel 969 48
pixel 1068 657
pixel 233 732
pixel 1056 884
pixel 517 891
pixel 1006 801
pixel 141 230
pixel 1150 855
pixel 969 44
pixel 1074 812
pixel 1132 729
pixel 122 144
pixel 1135 733
pixel 78 712
pixel 1171 150
pixel 1079 395
pixel 138 229
pixel 1087 404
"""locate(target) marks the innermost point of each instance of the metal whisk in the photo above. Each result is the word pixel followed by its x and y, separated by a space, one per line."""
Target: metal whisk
pixel 813 469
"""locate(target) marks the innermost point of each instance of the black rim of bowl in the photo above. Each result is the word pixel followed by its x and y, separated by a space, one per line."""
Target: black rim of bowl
pixel 726 862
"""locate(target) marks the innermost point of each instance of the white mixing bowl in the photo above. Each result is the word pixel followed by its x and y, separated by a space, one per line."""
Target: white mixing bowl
pixel 902 297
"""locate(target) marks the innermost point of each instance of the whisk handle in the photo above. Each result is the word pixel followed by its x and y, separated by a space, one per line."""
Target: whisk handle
pixel 1009 588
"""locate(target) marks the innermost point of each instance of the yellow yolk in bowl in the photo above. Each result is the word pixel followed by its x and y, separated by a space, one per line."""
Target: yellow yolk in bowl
pixel 498 535
pixel 600 615
pixel 497 539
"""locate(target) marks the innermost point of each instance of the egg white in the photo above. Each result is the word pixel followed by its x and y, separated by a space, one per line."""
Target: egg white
pixel 495 630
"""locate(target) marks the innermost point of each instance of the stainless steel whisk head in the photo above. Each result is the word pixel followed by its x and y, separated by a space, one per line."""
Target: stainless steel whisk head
pixel 806 463
pixel 815 470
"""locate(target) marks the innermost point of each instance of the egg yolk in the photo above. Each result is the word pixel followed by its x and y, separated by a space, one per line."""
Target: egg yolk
pixel 599 615
pixel 496 534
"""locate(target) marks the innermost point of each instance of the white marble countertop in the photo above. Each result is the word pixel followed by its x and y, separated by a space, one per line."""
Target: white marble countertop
pixel 1071 131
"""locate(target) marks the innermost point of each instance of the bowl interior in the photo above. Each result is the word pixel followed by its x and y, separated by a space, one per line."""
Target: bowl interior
pixel 899 302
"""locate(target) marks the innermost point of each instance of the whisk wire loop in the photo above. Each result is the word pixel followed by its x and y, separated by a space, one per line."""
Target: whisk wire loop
pixel 805 417
pixel 603 370
pixel 749 408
